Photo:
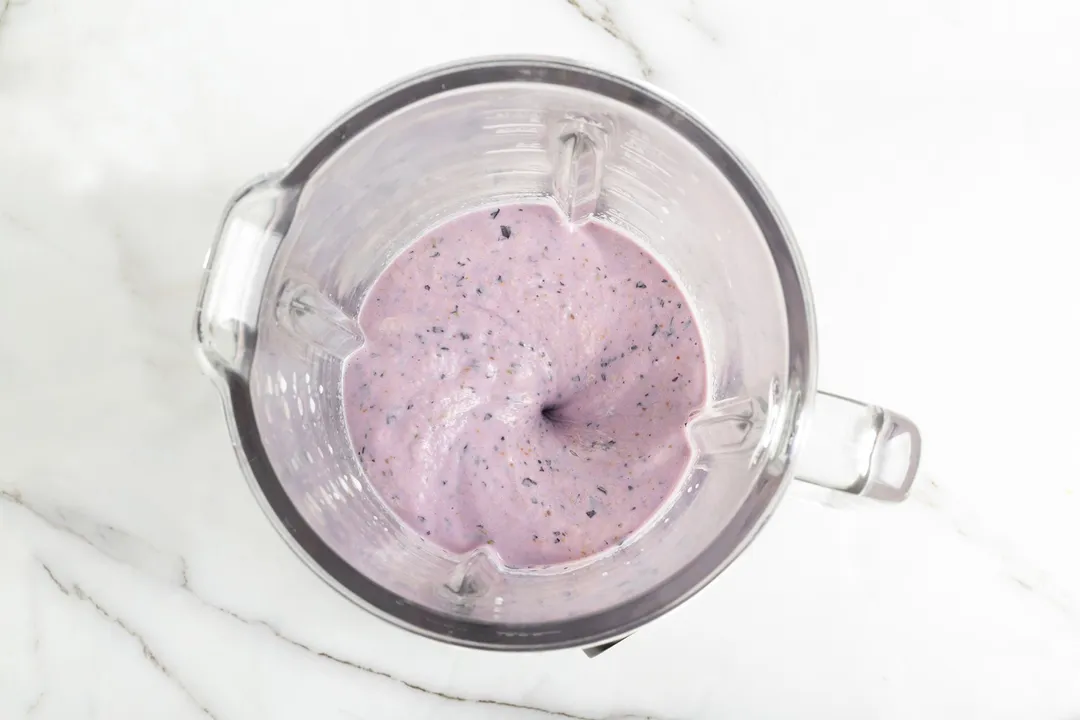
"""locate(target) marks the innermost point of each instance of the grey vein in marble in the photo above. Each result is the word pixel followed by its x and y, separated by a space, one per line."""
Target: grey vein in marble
pixel 1021 572
pixel 606 22
pixel 107 539
pixel 6 5
pixel 412 686
pixel 181 581
pixel 76 592
pixel 693 15
pixel 32 708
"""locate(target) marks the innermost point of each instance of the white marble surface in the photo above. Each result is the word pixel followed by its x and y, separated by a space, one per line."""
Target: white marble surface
pixel 927 155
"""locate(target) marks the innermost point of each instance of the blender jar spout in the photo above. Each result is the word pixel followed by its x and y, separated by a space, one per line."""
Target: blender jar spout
pixel 236 271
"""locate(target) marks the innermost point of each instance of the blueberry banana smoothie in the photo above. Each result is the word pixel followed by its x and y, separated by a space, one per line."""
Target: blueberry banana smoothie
pixel 525 384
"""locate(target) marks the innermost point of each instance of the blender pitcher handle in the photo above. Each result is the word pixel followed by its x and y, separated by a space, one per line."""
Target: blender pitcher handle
pixel 859 449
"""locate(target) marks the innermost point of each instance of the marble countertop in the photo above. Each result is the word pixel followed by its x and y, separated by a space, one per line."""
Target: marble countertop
pixel 926 155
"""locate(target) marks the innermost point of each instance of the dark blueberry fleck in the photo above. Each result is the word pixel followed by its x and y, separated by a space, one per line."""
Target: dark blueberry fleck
pixel 589 513
pixel 437 329
pixel 495 214
pixel 528 482
pixel 487 416
pixel 436 254
pixel 640 285
pixel 505 229
pixel 427 287
pixel 601 489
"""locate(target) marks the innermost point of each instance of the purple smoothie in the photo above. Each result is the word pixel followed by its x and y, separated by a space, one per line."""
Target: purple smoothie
pixel 525 384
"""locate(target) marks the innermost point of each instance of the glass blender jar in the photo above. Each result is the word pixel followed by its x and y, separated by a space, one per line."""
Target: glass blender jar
pixel 299 249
